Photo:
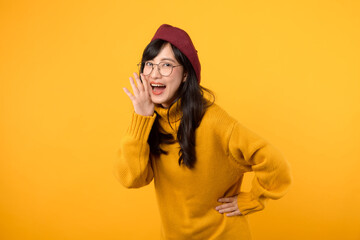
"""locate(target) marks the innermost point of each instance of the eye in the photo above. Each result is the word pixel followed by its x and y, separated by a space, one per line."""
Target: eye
pixel 148 64
pixel 167 65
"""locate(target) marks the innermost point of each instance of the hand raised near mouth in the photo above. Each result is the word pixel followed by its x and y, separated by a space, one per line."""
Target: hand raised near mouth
pixel 140 98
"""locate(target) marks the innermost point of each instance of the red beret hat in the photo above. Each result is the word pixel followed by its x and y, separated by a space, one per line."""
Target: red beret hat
pixel 180 39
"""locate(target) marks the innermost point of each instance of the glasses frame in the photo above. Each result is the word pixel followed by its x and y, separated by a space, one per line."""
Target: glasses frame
pixel 158 68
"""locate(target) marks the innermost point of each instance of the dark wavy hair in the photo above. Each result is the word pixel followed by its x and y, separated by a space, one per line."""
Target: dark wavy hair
pixel 193 107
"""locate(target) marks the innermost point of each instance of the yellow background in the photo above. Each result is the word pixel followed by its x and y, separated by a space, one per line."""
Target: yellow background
pixel 289 70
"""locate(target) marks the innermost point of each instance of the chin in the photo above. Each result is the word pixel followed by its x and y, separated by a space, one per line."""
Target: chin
pixel 156 100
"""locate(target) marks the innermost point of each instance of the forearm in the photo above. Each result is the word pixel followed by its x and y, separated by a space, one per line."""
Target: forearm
pixel 132 166
pixel 272 176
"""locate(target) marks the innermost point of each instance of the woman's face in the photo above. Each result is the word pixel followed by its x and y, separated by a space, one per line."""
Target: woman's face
pixel 164 89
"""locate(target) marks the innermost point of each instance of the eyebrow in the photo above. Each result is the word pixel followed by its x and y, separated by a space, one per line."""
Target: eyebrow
pixel 169 59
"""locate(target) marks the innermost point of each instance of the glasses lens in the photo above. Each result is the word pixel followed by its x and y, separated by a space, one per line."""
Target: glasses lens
pixel 147 68
pixel 165 69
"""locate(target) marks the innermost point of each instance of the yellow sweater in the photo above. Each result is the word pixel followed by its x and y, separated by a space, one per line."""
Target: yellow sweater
pixel 187 198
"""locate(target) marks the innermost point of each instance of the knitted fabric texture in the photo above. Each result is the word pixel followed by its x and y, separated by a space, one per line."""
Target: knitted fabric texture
pixel 226 150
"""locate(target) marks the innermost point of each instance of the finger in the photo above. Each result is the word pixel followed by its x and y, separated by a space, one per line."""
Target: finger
pixel 132 98
pixel 235 213
pixel 228 210
pixel 138 82
pixel 225 205
pixel 133 86
pixel 145 83
pixel 228 199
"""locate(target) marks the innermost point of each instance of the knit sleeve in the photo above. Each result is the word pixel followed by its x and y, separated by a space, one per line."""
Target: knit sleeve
pixel 272 172
pixel 132 166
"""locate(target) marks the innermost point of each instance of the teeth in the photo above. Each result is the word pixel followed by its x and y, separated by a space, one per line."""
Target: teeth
pixel 157 85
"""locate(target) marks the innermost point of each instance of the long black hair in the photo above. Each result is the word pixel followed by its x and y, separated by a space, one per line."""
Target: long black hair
pixel 193 107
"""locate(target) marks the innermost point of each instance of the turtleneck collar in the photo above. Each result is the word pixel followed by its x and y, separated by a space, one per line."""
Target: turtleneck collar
pixel 175 115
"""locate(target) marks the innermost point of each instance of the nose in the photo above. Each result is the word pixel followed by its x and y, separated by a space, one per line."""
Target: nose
pixel 155 73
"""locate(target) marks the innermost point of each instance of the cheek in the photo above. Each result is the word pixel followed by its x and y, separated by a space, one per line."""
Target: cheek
pixel 176 82
pixel 146 78
pixel 174 86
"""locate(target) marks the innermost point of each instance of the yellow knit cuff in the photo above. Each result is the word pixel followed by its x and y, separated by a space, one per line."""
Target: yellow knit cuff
pixel 140 126
pixel 247 203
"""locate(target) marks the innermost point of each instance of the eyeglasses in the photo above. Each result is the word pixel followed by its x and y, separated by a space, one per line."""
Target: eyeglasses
pixel 165 69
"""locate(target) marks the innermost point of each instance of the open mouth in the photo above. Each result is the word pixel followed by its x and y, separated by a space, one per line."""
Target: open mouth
pixel 157 88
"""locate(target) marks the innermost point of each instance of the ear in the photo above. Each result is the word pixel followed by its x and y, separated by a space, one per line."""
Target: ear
pixel 184 77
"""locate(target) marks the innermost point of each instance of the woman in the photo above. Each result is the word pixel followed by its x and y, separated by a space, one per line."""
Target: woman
pixel 195 152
